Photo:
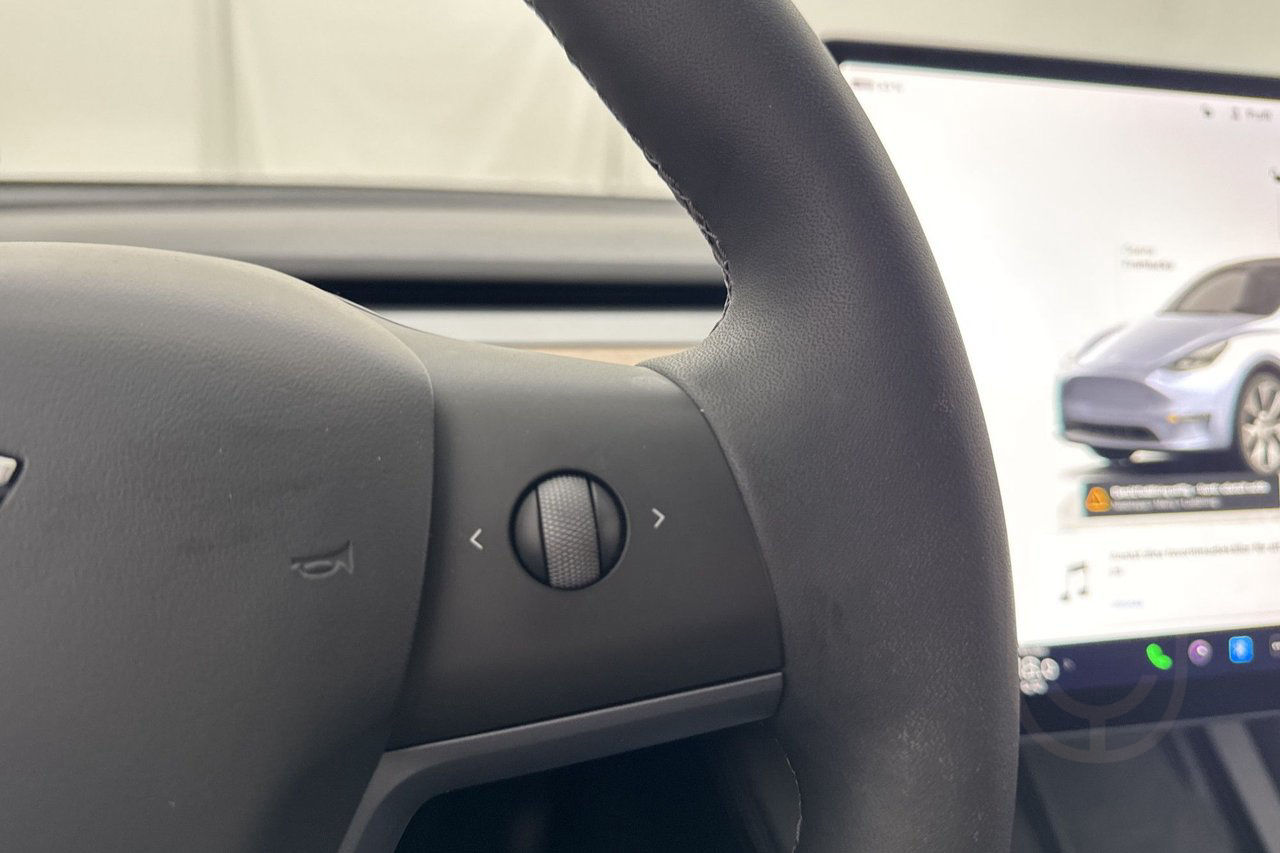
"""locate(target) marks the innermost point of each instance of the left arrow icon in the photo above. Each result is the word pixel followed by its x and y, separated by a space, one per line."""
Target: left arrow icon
pixel 475 539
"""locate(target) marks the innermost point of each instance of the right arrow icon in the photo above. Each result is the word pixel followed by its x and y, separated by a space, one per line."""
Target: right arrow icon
pixel 660 518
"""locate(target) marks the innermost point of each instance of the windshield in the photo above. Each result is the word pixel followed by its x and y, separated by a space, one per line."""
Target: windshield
pixel 442 94
pixel 448 94
pixel 1244 290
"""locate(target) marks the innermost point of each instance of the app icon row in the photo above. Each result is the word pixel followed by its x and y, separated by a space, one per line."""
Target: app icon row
pixel 1200 652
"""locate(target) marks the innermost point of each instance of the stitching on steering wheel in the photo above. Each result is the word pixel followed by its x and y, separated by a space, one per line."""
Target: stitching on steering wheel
pixel 687 203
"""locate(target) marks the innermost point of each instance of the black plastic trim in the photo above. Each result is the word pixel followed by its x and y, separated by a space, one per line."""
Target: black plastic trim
pixel 354 234
pixel 407 778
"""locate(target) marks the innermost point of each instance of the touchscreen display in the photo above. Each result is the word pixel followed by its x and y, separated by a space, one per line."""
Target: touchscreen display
pixel 1113 257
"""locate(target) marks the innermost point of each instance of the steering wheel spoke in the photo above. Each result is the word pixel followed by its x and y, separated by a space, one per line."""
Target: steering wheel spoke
pixel 687 604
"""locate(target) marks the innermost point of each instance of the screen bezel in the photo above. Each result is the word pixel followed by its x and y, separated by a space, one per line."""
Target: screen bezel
pixel 1198 695
pixel 1053 68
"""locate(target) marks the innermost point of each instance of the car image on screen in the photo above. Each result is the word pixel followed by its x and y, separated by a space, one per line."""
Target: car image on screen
pixel 1202 375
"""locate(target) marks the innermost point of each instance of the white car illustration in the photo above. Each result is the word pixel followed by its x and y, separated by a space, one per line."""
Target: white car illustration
pixel 1202 375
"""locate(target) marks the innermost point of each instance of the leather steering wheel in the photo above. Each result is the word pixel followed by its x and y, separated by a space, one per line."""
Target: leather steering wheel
pixel 260 578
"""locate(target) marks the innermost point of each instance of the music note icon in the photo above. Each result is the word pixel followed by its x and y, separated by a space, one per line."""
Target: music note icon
pixel 1077 574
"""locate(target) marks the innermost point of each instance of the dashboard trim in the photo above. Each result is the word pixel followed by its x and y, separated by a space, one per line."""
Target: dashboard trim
pixel 407 778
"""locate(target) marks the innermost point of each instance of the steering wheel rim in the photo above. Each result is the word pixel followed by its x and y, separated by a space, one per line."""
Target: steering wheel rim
pixel 864 545
pixel 899 714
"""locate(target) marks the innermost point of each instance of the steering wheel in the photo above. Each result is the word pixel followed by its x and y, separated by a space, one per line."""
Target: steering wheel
pixel 276 570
